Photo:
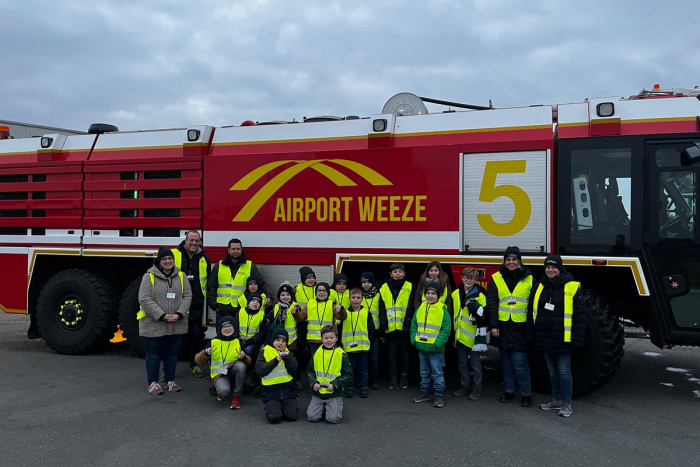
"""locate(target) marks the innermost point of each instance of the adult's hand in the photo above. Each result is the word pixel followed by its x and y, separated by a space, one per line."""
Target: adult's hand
pixel 494 332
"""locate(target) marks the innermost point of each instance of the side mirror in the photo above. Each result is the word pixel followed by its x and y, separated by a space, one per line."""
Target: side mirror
pixel 691 155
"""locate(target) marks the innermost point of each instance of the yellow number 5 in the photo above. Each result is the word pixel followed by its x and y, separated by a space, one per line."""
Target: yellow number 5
pixel 489 192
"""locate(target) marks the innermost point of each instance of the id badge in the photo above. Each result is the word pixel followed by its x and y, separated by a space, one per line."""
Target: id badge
pixel 190 278
pixel 223 371
pixel 228 284
pixel 318 333
pixel 170 295
pixel 423 338
pixel 549 306
pixel 353 344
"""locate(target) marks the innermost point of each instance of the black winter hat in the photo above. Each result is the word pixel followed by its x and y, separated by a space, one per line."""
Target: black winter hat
pixel 162 253
pixel 555 260
pixel 512 252
pixel 277 333
pixel 250 279
pixel 305 272
pixel 285 287
pixel 433 285
pixel 339 278
pixel 255 296
pixel 325 285
pixel 369 277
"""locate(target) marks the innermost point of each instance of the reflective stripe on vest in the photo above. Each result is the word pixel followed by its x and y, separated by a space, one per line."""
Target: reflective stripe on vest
pixel 373 306
pixel 465 330
pixel 318 315
pixel 570 289
pixel 512 305
pixel 249 325
pixel 328 364
pixel 142 314
pixel 230 289
pixel 395 311
pixel 304 295
pixel 290 324
pixel 279 374
pixel 223 355
pixel 355 337
pixel 429 321
pixel 203 272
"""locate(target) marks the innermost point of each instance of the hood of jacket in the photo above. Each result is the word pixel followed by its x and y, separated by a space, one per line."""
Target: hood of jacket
pixel 224 319
pixel 159 274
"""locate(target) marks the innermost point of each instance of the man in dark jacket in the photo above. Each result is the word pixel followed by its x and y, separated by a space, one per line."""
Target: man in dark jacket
pixel 557 324
pixel 506 310
pixel 233 270
pixel 195 264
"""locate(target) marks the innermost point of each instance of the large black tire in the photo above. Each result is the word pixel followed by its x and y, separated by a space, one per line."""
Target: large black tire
pixel 128 308
pixel 603 346
pixel 76 310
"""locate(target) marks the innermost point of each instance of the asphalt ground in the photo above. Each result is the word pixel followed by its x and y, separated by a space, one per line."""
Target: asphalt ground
pixel 60 410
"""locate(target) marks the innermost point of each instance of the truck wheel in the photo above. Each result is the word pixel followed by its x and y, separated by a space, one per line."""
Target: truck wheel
pixel 128 308
pixel 603 346
pixel 76 308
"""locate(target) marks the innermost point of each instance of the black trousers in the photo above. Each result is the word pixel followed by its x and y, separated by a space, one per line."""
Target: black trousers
pixel 276 410
pixel 398 340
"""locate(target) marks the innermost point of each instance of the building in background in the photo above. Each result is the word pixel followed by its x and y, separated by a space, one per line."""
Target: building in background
pixel 29 130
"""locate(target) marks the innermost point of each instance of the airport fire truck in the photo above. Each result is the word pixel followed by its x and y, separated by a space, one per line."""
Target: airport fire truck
pixel 609 183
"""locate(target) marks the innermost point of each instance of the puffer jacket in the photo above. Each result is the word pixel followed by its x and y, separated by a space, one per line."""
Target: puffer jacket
pixel 155 303
pixel 547 331
pixel 513 336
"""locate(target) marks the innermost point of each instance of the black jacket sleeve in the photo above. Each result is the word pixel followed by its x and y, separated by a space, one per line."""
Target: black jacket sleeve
pixel 578 331
pixel 212 287
pixel 291 364
pixel 492 305
pixel 530 323
pixel 370 326
pixel 263 368
pixel 410 311
pixel 383 321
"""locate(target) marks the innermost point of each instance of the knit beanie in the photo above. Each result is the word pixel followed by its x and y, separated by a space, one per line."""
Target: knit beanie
pixel 512 252
pixel 162 253
pixel 277 333
pixel 255 296
pixel 339 278
pixel 251 279
pixel 555 260
pixel 325 286
pixel 285 287
pixel 368 277
pixel 432 285
pixel 305 272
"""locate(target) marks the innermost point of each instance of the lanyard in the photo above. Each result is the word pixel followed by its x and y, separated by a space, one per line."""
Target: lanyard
pixel 369 307
pixel 354 326
pixel 425 322
pixel 321 315
pixel 225 355
pixel 341 296
pixel 330 362
pixel 249 318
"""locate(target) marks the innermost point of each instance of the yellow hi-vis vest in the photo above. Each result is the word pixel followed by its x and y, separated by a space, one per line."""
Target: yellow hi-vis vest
pixel 396 311
pixel 429 322
pixel 279 374
pixel 465 330
pixel 441 298
pixel 327 365
pixel 355 337
pixel 290 324
pixel 304 295
pixel 341 299
pixel 243 301
pixel 142 314
pixel 372 305
pixel 512 305
pixel 570 289
pixel 249 325
pixel 223 355
pixel 203 272
pixel 230 289
pixel 318 315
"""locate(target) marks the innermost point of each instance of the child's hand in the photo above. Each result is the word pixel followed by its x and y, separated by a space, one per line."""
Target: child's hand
pixel 316 387
pixel 331 388
pixel 241 355
pixel 279 359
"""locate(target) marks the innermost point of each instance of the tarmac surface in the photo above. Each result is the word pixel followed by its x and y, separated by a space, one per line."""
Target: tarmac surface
pixel 60 410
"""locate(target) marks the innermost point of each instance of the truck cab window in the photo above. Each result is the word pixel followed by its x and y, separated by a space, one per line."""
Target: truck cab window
pixel 601 196
pixel 677 204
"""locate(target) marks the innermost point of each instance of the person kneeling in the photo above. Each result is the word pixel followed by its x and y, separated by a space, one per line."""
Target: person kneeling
pixel 228 362
pixel 328 373
pixel 276 365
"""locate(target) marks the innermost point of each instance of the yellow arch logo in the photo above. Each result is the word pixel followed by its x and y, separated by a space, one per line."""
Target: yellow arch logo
pixel 265 193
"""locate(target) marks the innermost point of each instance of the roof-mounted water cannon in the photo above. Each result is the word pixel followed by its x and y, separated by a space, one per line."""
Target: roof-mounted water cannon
pixel 667 92
pixel 406 103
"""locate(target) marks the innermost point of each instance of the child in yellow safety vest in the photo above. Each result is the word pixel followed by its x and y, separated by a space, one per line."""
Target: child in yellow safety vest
pixel 356 336
pixel 339 291
pixel 228 362
pixel 286 315
pixel 276 366
pixel 252 286
pixel 370 300
pixel 328 374
pixel 430 329
pixel 321 312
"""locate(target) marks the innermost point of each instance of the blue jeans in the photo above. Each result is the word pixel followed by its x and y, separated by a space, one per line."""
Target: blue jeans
pixel 162 349
pixel 252 351
pixel 431 368
pixel 313 347
pixel 560 376
pixel 469 362
pixel 374 356
pixel 358 360
pixel 515 366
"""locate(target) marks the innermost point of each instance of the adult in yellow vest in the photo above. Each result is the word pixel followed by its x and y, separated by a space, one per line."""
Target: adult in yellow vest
pixel 506 310
pixel 227 280
pixel 228 362
pixel 396 308
pixel 370 300
pixel 195 264
pixel 164 297
pixel 470 333
pixel 558 313
pixel 276 366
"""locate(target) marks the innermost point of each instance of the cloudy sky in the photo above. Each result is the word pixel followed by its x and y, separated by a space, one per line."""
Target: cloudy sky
pixel 167 63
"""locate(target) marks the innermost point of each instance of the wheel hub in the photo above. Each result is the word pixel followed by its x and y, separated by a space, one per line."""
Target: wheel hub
pixel 71 313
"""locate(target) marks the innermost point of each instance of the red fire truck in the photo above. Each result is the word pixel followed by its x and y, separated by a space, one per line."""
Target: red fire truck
pixel 610 184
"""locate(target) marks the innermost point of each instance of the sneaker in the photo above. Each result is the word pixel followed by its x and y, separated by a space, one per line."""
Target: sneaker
pixel 404 382
pixel 553 404
pixel 298 386
pixel 212 391
pixel 461 392
pixel 222 398
pixel 174 387
pixel 526 401
pixel 392 383
pixel 236 402
pixel 155 389
pixel 197 372
pixel 421 397
pixel 349 394
pixel 364 393
pixel 507 397
pixel 475 395
pixel 565 410
pixel 373 382
pixel 438 403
